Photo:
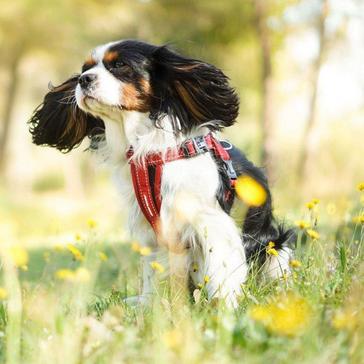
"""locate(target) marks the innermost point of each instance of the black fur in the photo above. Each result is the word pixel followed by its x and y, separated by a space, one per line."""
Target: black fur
pixel 259 226
pixel 190 91
pixel 58 122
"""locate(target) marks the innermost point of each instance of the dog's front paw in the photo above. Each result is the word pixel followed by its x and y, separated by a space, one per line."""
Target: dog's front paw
pixel 141 300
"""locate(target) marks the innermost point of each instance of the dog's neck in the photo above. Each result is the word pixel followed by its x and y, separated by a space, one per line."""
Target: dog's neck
pixel 138 130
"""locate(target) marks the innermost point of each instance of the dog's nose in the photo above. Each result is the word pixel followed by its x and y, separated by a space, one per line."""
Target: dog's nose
pixel 86 80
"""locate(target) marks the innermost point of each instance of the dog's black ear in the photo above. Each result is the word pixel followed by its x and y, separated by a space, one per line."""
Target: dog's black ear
pixel 191 91
pixel 58 122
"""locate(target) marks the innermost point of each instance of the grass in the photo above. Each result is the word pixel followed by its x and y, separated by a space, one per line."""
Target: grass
pixel 316 315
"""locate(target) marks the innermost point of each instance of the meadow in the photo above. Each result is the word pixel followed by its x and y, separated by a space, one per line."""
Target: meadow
pixel 66 262
pixel 62 295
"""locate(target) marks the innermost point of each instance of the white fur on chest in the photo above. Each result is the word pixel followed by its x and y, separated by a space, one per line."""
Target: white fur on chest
pixel 194 180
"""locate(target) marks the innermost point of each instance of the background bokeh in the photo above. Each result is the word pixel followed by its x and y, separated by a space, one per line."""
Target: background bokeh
pixel 297 65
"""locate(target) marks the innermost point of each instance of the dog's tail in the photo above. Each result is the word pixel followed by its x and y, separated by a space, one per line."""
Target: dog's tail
pixel 260 227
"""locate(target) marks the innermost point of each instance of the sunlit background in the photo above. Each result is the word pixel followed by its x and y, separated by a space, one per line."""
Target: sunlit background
pixel 297 66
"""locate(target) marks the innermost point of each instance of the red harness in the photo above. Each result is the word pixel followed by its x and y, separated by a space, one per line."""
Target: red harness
pixel 147 176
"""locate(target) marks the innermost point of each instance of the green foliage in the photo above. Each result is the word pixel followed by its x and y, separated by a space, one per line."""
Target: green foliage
pixel 49 182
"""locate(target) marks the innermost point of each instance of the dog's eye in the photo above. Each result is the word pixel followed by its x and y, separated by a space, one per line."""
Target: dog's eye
pixel 117 64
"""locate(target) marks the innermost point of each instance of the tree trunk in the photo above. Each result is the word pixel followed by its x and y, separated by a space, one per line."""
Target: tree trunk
pixel 266 85
pixel 8 109
pixel 308 134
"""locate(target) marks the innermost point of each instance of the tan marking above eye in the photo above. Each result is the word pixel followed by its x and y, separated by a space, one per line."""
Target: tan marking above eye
pixel 90 61
pixel 110 56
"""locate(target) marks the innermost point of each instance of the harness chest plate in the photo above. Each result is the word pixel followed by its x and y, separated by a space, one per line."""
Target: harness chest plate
pixel 147 176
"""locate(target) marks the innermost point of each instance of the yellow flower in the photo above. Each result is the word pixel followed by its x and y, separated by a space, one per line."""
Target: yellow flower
pixel 80 275
pixel 19 256
pixel 135 246
pixel 331 208
pixel 313 234
pixel 344 321
pixel 75 252
pixel 59 248
pixel 358 219
pixel 271 244
pixel 65 274
pixel 46 256
pixel 103 257
pixel 295 263
pixel 302 224
pixel 206 279
pixel 195 267
pixel 91 223
pixel 315 201
pixel 250 191
pixel 285 315
pixel 361 186
pixel 157 266
pixel 310 205
pixel 272 251
pixel 78 237
pixel 173 339
pixel 3 293
pixel 145 250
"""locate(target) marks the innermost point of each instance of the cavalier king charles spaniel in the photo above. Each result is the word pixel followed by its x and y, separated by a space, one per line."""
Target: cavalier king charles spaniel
pixel 156 114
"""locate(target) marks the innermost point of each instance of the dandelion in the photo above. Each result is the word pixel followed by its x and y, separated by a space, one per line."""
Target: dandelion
pixel 19 257
pixel 3 293
pixel 145 250
pixel 294 263
pixel 331 208
pixel 103 257
pixel 310 205
pixel 157 266
pixel 344 320
pixel 78 237
pixel 173 339
pixel 91 223
pixel 65 274
pixel 361 186
pixel 46 257
pixel 250 191
pixel 302 224
pixel 206 279
pixel 270 249
pixel 286 315
pixel 80 275
pixel 59 248
pixel 313 234
pixel 135 246
pixel 315 201
pixel 77 255
pixel 358 219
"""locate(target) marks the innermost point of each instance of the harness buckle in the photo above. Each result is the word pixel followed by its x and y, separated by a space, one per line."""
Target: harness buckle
pixel 200 144
pixel 230 169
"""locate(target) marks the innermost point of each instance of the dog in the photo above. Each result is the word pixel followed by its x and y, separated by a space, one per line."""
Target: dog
pixel 155 115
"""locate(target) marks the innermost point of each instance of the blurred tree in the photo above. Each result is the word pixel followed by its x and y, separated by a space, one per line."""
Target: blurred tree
pixel 266 83
pixel 51 29
pixel 306 143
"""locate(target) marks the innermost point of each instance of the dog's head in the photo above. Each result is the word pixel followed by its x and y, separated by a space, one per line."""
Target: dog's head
pixel 134 76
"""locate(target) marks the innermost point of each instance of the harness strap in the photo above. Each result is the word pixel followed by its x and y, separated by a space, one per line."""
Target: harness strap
pixel 147 186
